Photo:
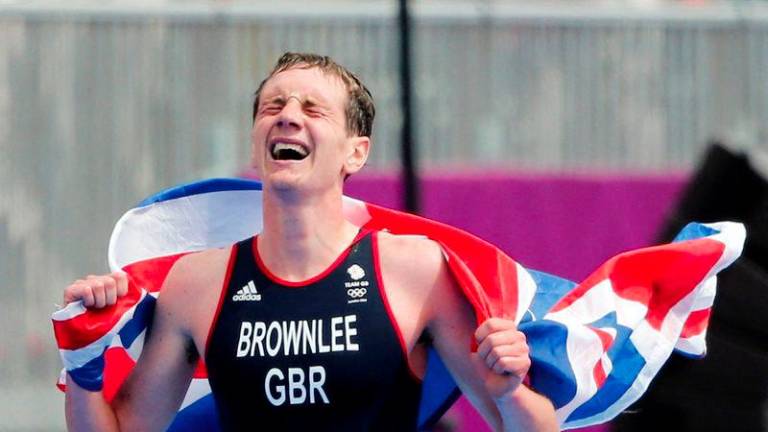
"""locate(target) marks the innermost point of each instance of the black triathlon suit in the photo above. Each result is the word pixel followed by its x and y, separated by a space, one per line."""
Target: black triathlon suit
pixel 320 355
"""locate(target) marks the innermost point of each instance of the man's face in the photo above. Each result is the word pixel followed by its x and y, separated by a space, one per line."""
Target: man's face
pixel 299 138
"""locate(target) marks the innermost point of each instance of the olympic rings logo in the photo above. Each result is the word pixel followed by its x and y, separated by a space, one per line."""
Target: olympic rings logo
pixel 356 292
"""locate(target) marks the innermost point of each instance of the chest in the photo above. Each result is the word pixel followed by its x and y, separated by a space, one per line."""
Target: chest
pixel 331 340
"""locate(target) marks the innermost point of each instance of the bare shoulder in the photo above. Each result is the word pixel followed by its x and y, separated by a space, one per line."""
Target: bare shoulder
pixel 416 256
pixel 415 263
pixel 195 270
pixel 410 251
pixel 419 264
pixel 194 282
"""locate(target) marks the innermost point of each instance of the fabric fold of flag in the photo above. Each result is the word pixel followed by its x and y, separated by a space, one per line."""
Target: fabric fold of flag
pixel 595 346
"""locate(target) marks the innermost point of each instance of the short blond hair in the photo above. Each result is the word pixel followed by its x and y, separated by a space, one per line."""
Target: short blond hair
pixel 360 110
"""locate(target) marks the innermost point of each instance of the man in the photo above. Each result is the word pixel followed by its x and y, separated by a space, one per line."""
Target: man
pixel 318 324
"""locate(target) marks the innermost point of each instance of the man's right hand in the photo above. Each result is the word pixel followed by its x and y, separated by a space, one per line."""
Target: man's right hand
pixel 97 291
pixel 82 347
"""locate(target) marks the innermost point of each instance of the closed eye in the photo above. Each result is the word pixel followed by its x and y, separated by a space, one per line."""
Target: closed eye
pixel 312 109
pixel 271 108
pixel 314 112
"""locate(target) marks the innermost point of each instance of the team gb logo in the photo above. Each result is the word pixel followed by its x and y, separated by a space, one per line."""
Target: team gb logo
pixel 356 272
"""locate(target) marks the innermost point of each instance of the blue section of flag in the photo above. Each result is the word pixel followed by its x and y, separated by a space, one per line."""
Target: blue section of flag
pixel 200 415
pixel 550 371
pixel 549 289
pixel 438 391
pixel 90 376
pixel 201 187
pixel 142 318
pixel 694 231
pixel 627 364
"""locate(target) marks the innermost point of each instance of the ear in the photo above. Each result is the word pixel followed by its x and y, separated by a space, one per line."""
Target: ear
pixel 357 155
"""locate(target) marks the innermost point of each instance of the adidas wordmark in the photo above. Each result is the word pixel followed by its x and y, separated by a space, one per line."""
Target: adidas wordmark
pixel 247 293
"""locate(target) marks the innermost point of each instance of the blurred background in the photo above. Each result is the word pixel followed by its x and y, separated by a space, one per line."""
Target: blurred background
pixel 564 132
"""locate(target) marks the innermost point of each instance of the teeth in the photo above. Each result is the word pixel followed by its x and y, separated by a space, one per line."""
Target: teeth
pixel 288 146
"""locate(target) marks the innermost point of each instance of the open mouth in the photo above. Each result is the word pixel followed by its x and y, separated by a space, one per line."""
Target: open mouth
pixel 288 151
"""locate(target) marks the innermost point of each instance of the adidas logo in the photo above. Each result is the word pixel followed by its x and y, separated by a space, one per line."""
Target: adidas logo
pixel 247 293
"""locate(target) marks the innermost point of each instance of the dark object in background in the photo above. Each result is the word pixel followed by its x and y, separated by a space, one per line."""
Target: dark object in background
pixel 726 187
pixel 728 389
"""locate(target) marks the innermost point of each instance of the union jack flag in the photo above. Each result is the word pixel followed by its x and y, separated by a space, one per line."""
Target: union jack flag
pixel 594 346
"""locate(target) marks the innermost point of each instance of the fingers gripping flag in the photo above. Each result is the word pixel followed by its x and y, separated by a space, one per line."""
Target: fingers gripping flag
pixel 594 346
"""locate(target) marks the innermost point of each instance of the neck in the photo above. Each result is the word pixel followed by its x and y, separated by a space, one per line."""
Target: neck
pixel 301 237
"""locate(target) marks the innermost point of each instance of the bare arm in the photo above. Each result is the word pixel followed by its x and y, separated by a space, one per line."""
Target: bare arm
pixel 503 362
pixel 151 394
pixel 154 390
pixel 491 378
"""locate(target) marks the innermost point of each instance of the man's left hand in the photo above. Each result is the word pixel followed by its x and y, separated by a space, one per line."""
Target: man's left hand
pixel 502 356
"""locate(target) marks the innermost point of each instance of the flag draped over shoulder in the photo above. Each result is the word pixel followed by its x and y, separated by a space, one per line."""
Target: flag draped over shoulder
pixel 594 346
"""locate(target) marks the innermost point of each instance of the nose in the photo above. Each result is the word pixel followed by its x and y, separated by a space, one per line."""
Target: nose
pixel 290 115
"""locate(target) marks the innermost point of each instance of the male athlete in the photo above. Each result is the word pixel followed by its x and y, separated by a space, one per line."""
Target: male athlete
pixel 283 340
